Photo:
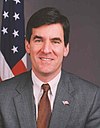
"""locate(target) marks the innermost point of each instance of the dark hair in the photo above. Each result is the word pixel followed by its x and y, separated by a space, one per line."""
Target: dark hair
pixel 48 15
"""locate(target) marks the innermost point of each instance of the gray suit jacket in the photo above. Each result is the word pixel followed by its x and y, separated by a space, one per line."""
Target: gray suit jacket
pixel 17 106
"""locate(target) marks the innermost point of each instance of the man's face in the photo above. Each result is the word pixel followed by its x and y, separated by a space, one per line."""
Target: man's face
pixel 47 49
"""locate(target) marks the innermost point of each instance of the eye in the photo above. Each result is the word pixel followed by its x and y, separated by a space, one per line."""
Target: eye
pixel 37 40
pixel 56 42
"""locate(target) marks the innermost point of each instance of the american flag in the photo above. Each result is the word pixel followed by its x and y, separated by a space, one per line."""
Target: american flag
pixel 12 51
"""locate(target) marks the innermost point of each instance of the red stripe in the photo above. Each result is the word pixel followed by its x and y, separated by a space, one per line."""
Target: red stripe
pixel 19 68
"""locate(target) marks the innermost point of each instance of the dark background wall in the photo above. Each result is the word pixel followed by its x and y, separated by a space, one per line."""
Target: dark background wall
pixel 84 17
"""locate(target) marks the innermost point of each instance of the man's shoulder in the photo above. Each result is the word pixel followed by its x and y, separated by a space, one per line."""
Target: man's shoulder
pixel 10 88
pixel 78 82
pixel 81 88
pixel 12 82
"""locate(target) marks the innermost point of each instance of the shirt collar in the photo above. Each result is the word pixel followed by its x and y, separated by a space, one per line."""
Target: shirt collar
pixel 53 83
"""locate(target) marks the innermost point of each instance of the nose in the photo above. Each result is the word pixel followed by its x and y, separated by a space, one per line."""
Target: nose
pixel 46 48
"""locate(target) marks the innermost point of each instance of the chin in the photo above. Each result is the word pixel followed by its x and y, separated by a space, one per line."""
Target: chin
pixel 46 73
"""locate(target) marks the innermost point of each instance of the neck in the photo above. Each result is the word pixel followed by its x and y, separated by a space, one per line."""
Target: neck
pixel 46 77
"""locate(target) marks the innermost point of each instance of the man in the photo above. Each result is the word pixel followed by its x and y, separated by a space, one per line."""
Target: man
pixel 74 102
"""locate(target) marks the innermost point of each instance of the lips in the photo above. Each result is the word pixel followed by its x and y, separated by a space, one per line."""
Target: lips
pixel 46 59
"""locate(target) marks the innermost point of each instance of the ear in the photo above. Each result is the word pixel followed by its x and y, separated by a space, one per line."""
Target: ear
pixel 27 46
pixel 66 50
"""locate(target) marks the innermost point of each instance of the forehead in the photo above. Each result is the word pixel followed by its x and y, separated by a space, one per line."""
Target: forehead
pixel 49 30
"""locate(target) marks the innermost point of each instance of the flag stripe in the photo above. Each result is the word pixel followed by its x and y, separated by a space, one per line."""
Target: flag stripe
pixel 5 71
pixel 19 68
pixel 24 59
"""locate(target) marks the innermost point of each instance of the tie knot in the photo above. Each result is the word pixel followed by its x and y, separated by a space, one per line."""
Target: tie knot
pixel 46 87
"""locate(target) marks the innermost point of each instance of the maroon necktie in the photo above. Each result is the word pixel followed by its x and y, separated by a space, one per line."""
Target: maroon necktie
pixel 44 108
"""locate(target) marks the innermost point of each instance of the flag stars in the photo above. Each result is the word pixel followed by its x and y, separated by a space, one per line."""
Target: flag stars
pixel 16 16
pixel 15 33
pixel 5 14
pixel 14 49
pixel 17 1
pixel 4 30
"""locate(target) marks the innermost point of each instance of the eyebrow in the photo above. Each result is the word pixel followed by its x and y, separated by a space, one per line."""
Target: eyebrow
pixel 39 37
pixel 56 38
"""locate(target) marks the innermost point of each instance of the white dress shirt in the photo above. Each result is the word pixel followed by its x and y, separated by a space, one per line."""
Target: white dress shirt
pixel 37 91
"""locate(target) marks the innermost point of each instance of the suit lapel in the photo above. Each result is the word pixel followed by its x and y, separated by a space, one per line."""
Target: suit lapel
pixel 24 103
pixel 64 103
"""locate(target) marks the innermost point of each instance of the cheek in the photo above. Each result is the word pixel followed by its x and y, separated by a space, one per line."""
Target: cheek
pixel 36 48
pixel 34 52
pixel 59 51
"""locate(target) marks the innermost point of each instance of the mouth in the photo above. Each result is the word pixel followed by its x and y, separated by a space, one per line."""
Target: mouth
pixel 46 59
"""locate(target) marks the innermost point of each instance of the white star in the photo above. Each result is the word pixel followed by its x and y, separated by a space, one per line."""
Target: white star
pixel 14 49
pixel 17 1
pixel 15 33
pixel 16 16
pixel 5 14
pixel 4 30
pixel 5 0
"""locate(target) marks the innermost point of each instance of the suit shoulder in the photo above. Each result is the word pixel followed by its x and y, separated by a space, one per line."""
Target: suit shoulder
pixel 78 82
pixel 12 82
pixel 82 89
